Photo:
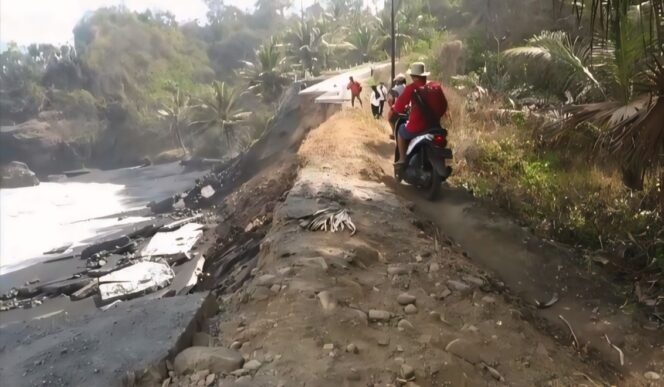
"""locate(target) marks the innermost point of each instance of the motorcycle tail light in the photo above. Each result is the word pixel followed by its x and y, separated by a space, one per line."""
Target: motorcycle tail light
pixel 440 140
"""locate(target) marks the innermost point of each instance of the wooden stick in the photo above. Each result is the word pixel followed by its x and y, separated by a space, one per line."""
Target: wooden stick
pixel 587 377
pixel 622 355
pixel 576 341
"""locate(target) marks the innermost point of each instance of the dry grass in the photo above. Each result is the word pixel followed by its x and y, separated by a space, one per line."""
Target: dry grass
pixel 560 192
pixel 348 140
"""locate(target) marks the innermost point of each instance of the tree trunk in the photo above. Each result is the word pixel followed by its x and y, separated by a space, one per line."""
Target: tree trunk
pixel 661 192
pixel 632 177
pixel 178 138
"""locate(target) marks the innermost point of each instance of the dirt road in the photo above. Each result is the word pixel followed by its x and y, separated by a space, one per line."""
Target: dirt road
pixel 609 328
pixel 394 304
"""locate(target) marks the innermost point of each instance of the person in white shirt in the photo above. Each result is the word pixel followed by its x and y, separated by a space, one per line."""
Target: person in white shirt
pixel 375 101
pixel 382 89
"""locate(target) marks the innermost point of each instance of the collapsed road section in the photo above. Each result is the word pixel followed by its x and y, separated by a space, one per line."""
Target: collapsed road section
pixel 118 310
pixel 128 342
pixel 158 256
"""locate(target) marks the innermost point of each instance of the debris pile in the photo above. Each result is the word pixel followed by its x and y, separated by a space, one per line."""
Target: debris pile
pixel 139 278
pixel 330 219
pixel 155 256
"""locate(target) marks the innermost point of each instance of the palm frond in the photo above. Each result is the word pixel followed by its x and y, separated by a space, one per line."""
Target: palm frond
pixel 631 132
pixel 561 54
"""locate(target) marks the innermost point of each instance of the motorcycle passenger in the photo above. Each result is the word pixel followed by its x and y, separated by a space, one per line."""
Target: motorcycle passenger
pixel 399 83
pixel 428 105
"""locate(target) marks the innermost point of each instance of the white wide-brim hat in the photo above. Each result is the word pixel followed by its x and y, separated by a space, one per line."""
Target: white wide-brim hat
pixel 418 69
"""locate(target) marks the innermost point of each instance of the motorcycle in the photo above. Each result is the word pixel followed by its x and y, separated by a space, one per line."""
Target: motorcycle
pixel 426 163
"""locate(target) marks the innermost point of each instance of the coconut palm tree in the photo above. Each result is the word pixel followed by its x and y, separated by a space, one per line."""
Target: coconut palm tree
pixel 303 42
pixel 336 9
pixel 625 62
pixel 365 42
pixel 311 43
pixel 556 63
pixel 384 33
pixel 629 46
pixel 220 111
pixel 177 111
pixel 415 20
pixel 265 76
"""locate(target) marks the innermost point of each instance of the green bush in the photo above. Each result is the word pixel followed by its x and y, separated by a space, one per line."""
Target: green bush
pixel 580 204
pixel 75 104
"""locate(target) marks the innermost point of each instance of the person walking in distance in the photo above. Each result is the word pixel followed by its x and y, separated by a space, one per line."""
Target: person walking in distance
pixel 355 90
pixel 382 89
pixel 375 101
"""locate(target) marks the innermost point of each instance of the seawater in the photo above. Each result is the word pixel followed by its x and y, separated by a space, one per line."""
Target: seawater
pixel 36 219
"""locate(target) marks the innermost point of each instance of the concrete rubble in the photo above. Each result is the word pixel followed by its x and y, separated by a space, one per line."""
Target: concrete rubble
pixel 136 279
pixel 173 243
pixel 148 257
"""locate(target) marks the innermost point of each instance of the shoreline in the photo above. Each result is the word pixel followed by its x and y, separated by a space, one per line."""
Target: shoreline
pixel 136 187
pixel 60 273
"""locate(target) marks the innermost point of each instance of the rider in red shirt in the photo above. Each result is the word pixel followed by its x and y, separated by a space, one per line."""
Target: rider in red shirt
pixel 432 96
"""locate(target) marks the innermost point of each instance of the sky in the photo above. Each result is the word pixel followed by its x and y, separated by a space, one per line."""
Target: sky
pixel 52 21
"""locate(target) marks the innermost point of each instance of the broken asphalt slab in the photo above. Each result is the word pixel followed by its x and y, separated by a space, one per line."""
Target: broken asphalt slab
pixel 101 348
pixel 139 278
pixel 173 243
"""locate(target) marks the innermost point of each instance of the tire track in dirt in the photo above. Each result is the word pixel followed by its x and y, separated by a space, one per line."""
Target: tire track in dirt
pixel 533 269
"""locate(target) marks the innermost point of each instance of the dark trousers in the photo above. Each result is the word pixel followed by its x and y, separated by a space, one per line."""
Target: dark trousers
pixel 380 108
pixel 375 110
pixel 352 100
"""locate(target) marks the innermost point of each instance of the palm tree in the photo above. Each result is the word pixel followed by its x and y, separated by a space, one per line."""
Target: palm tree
pixel 415 21
pixel 177 113
pixel 628 47
pixel 384 33
pixel 220 111
pixel 303 42
pixel 556 63
pixel 337 9
pixel 626 62
pixel 265 77
pixel 364 41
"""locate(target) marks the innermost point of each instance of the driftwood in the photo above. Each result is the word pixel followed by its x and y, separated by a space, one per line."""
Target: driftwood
pixel 331 219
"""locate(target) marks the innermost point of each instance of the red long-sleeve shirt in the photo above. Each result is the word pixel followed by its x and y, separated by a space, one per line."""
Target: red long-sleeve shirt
pixel 355 88
pixel 417 121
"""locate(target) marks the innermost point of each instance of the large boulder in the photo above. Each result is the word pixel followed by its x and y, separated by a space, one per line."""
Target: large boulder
pixel 215 359
pixel 39 144
pixel 17 174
